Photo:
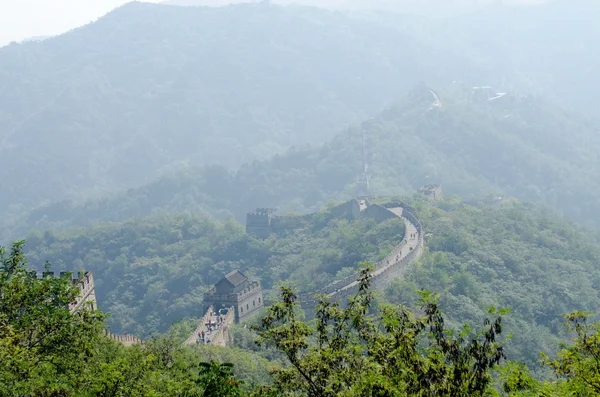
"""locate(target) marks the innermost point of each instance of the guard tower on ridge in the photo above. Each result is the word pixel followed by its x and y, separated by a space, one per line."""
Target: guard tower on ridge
pixel 258 222
pixel 237 290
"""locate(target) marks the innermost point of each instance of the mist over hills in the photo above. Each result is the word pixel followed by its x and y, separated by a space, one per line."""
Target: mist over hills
pixel 147 87
pixel 475 141
pixel 548 49
pixel 150 88
pixel 424 7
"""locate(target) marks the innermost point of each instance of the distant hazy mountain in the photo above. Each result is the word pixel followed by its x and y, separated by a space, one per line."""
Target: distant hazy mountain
pixel 423 7
pixel 36 38
pixel 149 86
pixel 474 141
pixel 550 48
pixel 219 3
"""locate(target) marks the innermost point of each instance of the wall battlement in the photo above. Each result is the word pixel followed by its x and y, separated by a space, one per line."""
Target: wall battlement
pixel 262 222
pixel 392 266
pixel 87 300
pixel 87 288
pixel 433 192
pixel 226 293
pixel 126 340
pixel 258 222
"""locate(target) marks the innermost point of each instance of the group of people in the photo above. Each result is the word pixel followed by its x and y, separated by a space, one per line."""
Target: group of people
pixel 210 327
pixel 203 337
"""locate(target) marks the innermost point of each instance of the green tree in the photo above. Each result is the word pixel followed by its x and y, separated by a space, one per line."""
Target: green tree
pixel 218 380
pixel 577 366
pixel 360 351
pixel 44 348
pixel 47 351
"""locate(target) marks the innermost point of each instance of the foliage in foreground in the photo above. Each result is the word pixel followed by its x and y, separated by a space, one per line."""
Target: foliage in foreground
pixel 46 351
pixel 351 350
pixel 359 350
pixel 151 272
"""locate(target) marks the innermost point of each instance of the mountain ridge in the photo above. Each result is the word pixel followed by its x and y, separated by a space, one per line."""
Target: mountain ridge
pixel 467 143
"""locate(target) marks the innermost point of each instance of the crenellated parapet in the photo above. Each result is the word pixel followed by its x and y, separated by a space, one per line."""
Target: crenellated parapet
pixel 125 340
pixel 87 289
pixel 262 222
pixel 237 291
pixel 394 265
pixel 258 222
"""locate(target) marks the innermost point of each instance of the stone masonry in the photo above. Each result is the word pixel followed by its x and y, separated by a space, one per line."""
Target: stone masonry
pixel 237 291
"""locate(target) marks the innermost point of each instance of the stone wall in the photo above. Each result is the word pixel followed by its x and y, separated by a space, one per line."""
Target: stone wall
pixel 400 204
pixel 87 290
pixel 126 340
pixel 249 304
pixel 258 222
pixel 87 296
pixel 199 327
pixel 281 224
pixel 350 210
pixel 378 213
pixel 391 267
pixel 224 337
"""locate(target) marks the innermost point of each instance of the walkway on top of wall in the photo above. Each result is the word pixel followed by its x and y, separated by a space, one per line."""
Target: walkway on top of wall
pixel 216 335
pixel 392 266
pixel 413 239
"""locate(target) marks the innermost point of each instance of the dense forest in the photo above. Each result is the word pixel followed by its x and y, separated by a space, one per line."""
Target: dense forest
pixel 520 146
pixel 355 350
pixel 512 255
pixel 152 272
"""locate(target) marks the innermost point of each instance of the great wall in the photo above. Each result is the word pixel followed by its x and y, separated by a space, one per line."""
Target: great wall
pixel 393 266
pixel 236 292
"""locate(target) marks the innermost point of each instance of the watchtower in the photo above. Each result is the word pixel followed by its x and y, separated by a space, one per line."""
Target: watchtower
pixel 258 222
pixel 85 282
pixel 433 192
pixel 237 290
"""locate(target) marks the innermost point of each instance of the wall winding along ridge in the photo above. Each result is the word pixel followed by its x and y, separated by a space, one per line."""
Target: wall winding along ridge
pixel 221 336
pixel 392 266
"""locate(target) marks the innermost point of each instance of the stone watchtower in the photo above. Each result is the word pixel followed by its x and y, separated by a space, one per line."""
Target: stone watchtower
pixel 432 192
pixel 237 290
pixel 87 288
pixel 258 223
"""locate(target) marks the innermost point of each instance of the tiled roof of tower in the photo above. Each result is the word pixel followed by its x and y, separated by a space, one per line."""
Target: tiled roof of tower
pixel 236 277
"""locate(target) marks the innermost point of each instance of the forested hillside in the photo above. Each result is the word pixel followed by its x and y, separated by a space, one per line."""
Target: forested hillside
pixel 134 146
pixel 149 87
pixel 349 351
pixel 474 142
pixel 517 256
pixel 152 272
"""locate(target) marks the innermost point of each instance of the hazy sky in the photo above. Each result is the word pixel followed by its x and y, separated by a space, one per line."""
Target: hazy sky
pixel 20 19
